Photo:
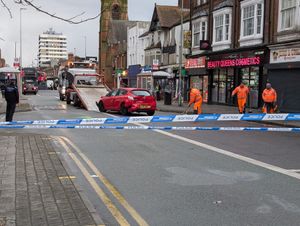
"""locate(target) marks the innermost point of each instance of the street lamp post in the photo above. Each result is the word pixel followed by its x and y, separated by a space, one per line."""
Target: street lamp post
pixel 180 57
pixel 20 60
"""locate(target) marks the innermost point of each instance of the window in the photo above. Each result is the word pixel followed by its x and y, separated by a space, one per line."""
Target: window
pixel 219 28
pixel 201 2
pixel 196 31
pixel 222 23
pixel 252 18
pixel 199 32
pixel 288 14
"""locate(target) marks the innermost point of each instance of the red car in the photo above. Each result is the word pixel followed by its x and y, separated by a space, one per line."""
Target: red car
pixel 127 100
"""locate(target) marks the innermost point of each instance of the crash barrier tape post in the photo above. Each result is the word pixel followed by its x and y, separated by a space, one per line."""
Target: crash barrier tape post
pixel 263 129
pixel 163 119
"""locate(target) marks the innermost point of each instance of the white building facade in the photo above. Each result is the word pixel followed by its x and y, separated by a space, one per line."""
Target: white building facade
pixel 137 44
pixel 52 48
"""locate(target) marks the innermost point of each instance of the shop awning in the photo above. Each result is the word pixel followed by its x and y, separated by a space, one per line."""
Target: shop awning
pixel 133 70
pixel 9 70
pixel 161 74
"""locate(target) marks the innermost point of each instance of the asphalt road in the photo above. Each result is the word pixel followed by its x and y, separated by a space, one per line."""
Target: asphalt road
pixel 182 177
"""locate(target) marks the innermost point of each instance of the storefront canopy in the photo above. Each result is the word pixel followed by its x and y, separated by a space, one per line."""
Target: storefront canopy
pixel 161 74
pixel 9 70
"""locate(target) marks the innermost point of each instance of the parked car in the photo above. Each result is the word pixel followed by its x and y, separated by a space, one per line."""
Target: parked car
pixel 128 100
pixel 30 86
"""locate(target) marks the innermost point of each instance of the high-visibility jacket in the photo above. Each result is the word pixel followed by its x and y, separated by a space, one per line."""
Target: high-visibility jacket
pixel 195 96
pixel 269 95
pixel 242 92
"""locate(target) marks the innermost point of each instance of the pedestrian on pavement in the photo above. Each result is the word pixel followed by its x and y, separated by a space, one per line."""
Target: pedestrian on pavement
pixel 12 99
pixel 242 92
pixel 196 99
pixel 269 96
pixel 157 91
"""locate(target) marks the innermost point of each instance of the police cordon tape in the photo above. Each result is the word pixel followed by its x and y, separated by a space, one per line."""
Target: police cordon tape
pixel 163 119
pixel 263 129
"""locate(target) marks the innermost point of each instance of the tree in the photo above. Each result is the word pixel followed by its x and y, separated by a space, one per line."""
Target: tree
pixel 76 19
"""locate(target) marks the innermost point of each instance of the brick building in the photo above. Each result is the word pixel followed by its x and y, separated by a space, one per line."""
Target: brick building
pixel 240 40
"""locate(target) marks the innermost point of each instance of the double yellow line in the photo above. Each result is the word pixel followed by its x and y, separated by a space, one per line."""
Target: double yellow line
pixel 65 142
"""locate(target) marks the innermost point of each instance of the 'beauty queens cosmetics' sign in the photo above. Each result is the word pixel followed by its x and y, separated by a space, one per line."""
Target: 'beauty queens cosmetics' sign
pixel 248 61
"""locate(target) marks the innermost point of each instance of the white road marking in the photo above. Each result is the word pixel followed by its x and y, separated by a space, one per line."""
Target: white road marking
pixel 294 170
pixel 57 98
pixel 227 153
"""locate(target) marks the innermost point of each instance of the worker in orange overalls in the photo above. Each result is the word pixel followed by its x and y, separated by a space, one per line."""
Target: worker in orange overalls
pixel 196 99
pixel 269 96
pixel 242 92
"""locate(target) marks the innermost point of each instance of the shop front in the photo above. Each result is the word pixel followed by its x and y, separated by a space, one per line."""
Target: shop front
pixel 284 75
pixel 228 70
pixel 198 75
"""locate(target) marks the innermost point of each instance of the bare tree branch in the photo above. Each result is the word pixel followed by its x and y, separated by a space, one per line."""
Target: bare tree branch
pixel 70 20
pixel 6 7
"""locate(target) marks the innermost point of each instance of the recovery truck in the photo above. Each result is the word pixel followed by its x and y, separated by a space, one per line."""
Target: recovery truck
pixel 85 88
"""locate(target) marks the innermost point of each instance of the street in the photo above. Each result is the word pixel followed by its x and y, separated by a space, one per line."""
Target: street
pixel 177 178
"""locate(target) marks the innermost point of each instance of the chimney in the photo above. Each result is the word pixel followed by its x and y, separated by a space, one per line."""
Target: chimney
pixel 186 4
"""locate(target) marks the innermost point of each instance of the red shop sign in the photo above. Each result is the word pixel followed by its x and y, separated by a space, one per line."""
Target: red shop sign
pixel 234 62
pixel 195 63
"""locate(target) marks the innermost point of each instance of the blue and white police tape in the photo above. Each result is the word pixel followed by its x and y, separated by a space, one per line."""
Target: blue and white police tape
pixel 262 129
pixel 163 118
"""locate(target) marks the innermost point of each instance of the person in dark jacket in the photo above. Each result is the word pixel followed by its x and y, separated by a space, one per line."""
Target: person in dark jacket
pixel 12 99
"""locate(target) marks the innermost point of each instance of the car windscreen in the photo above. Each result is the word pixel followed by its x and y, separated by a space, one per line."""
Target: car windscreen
pixel 143 93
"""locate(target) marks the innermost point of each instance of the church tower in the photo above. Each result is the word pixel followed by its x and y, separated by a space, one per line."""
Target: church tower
pixel 111 10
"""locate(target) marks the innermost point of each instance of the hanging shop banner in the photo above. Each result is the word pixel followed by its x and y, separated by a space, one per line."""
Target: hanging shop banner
pixel 284 55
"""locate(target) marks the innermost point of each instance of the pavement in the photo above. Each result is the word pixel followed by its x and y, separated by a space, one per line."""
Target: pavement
pixel 35 187
pixel 23 106
pixel 218 109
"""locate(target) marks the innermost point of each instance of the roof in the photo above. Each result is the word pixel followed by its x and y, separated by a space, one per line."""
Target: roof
pixel 118 31
pixel 226 3
pixel 167 15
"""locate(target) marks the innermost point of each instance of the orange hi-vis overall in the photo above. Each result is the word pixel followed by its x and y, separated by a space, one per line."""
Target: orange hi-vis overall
pixel 269 97
pixel 242 94
pixel 196 99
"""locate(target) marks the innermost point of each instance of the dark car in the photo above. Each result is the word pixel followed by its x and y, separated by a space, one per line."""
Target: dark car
pixel 30 86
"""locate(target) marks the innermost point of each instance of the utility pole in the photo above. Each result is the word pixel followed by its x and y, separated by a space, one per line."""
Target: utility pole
pixel 180 57
pixel 21 38
pixel 85 47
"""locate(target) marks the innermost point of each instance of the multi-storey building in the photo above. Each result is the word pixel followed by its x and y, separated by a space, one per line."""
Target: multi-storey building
pixel 162 53
pixel 229 45
pixel 253 41
pixel 136 43
pixel 52 48
pixel 284 67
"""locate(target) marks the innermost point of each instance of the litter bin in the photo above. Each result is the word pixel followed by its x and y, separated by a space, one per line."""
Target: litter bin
pixel 167 98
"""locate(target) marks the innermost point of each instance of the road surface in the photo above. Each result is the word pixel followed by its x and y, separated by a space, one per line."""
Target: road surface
pixel 178 178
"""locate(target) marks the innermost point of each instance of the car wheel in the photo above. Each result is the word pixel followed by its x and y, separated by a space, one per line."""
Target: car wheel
pixel 77 102
pixel 34 93
pixel 123 110
pixel 150 113
pixel 101 107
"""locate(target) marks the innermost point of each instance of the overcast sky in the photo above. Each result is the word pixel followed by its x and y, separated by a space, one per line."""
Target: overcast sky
pixel 35 23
